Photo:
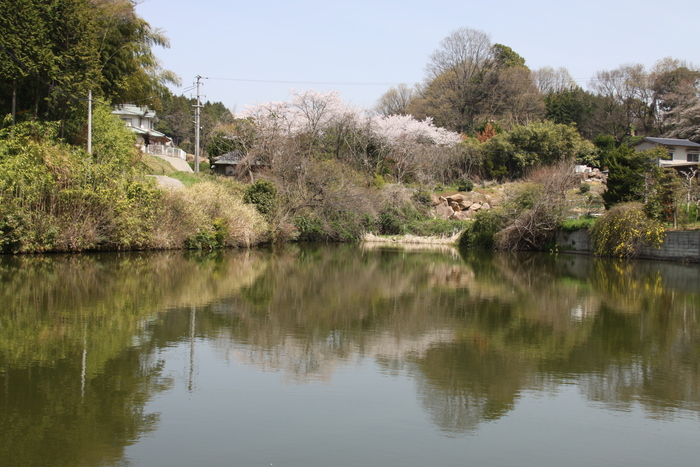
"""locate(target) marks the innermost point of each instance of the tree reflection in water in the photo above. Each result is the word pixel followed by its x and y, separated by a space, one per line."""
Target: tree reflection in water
pixel 80 336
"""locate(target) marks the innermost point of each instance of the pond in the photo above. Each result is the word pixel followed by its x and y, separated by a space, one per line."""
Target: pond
pixel 347 355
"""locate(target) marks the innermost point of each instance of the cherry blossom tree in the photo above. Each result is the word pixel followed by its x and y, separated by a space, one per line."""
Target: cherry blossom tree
pixel 312 123
pixel 411 145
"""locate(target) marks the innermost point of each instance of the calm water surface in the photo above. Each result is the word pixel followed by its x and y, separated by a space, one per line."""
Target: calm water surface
pixel 348 356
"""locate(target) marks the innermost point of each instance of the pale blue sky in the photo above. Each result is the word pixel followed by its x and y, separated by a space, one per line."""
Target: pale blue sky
pixel 306 44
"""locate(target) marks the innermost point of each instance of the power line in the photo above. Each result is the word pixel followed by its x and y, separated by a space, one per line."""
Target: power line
pixel 587 81
pixel 324 83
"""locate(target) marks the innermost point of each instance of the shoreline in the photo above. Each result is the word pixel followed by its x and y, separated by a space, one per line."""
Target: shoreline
pixel 414 239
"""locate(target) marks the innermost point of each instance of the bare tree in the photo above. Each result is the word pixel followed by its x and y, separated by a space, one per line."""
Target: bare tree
pixel 617 93
pixel 550 81
pixel 514 98
pixel 464 53
pixel 688 175
pixel 396 100
pixel 454 74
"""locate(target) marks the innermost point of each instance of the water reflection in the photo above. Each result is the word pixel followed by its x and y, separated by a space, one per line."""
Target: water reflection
pixel 81 336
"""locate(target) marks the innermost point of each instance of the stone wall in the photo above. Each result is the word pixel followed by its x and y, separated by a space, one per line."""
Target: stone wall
pixel 677 246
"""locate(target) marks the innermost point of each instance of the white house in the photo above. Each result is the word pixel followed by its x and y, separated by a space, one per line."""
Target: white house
pixel 682 152
pixel 142 120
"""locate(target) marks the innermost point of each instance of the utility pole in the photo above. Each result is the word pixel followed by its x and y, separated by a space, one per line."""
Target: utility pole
pixel 89 129
pixel 196 125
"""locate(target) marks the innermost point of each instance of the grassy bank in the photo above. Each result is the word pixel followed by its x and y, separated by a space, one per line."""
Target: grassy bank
pixel 58 198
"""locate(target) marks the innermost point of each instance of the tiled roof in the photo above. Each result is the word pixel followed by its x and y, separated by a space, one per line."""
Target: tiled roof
pixel 234 158
pixel 130 109
pixel 670 142
pixel 157 135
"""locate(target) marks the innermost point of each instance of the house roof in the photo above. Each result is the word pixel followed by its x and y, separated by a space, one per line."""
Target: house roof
pixel 134 110
pixel 669 142
pixel 234 158
pixel 155 135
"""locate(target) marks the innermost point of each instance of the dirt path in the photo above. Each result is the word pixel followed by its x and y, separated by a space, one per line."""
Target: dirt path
pixel 168 182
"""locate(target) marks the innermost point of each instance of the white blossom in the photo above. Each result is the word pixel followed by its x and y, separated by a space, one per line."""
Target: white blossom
pixel 313 112
pixel 402 129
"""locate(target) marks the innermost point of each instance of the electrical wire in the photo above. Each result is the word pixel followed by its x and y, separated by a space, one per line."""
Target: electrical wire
pixel 323 83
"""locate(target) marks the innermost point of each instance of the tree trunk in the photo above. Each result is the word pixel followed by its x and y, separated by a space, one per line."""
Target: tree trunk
pixel 14 101
pixel 36 103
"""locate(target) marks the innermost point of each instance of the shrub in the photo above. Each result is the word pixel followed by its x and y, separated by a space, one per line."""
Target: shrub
pixel 536 209
pixel 465 185
pixel 422 197
pixel 378 180
pixel 310 228
pixel 263 195
pixel 218 213
pixel 584 188
pixel 483 229
pixel 391 222
pixel 624 230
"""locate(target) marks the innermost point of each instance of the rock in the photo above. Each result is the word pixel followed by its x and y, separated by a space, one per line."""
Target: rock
pixel 475 207
pixel 456 206
pixel 462 215
pixel 444 212
pixel 456 198
pixel 486 206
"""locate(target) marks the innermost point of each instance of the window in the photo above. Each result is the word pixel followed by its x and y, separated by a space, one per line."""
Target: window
pixel 693 157
pixel 670 156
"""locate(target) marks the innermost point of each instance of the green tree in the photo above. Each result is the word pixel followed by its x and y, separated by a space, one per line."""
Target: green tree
pixel 569 106
pixel 52 53
pixel 176 120
pixel 129 69
pixel 665 201
pixel 511 154
pixel 632 174
pixel 48 58
pixel 505 57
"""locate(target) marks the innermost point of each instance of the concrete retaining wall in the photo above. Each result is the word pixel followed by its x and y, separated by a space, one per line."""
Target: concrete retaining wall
pixel 677 246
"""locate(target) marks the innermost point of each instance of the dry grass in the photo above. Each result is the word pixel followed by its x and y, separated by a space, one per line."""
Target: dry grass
pixel 411 239
pixel 157 166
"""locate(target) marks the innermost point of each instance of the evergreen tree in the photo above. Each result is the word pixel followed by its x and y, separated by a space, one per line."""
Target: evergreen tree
pixel 52 53
pixel 633 174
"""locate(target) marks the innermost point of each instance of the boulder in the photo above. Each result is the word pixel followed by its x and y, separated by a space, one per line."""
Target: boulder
pixel 456 198
pixel 486 206
pixel 462 215
pixel 475 207
pixel 444 212
pixel 456 206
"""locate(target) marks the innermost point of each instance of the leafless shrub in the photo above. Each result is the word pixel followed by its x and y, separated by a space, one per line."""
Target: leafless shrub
pixel 537 212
